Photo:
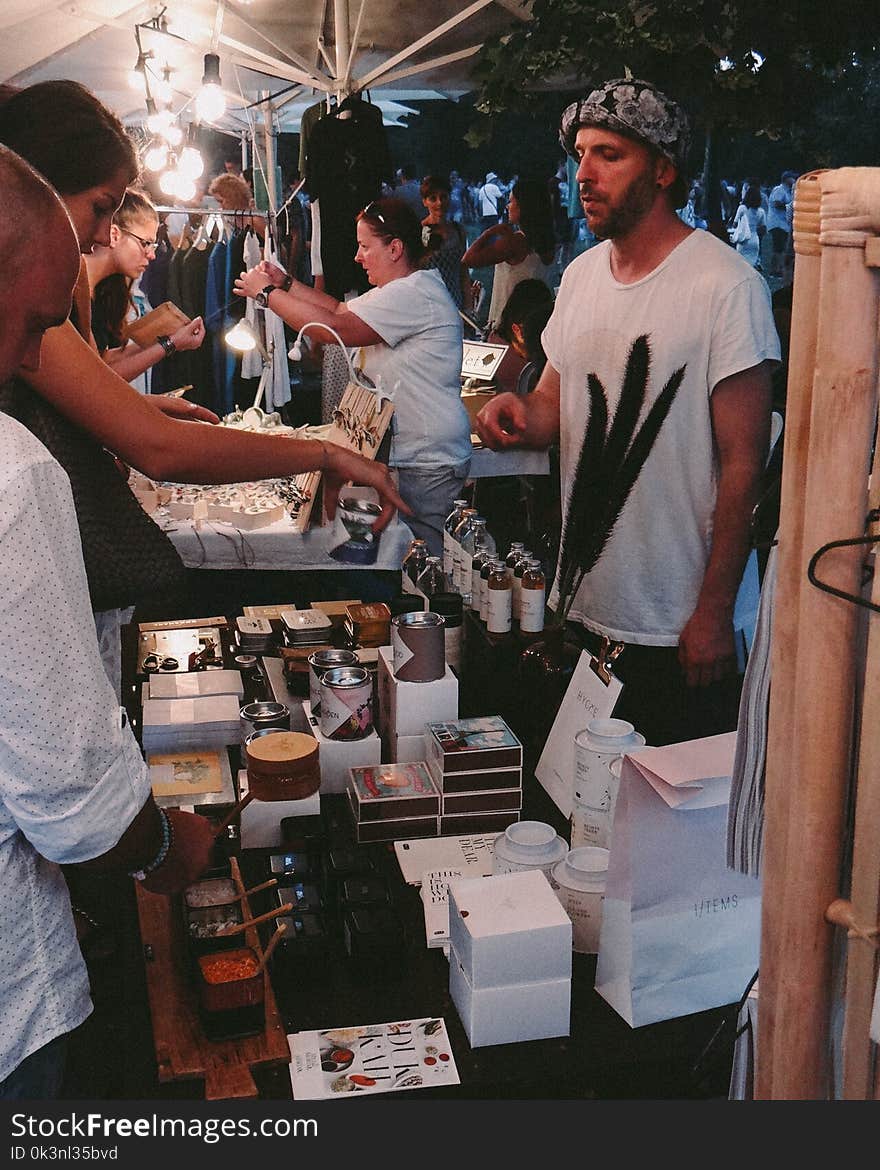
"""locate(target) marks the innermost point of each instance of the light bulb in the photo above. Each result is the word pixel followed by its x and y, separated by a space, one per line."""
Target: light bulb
pixel 296 351
pixel 162 90
pixel 191 163
pixel 186 188
pixel 155 158
pixel 168 183
pixel 240 337
pixel 173 134
pixel 210 103
pixel 159 122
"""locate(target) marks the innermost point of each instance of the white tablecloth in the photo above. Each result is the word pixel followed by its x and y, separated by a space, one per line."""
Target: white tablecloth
pixel 277 546
pixel 486 463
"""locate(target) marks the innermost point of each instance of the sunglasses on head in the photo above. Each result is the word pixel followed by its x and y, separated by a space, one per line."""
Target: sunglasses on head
pixel 372 211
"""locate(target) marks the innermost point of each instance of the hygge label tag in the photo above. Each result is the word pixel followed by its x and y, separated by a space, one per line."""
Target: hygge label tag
pixel 587 698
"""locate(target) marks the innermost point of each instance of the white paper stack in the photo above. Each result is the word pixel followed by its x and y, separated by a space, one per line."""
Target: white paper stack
pixel 175 724
pixel 435 899
pixel 745 818
pixel 194 684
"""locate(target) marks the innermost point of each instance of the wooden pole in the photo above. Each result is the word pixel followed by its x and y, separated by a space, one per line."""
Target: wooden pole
pixel 843 412
pixel 796 441
pixel 859 1052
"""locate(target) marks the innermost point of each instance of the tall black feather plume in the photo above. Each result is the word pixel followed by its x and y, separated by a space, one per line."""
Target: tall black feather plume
pixel 609 466
pixel 582 499
pixel 628 473
pixel 632 399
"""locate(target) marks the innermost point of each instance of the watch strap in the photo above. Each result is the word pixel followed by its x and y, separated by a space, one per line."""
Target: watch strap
pixel 286 283
pixel 167 344
pixel 263 298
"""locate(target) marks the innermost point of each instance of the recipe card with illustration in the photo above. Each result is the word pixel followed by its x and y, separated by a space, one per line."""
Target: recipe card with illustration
pixel 374 1058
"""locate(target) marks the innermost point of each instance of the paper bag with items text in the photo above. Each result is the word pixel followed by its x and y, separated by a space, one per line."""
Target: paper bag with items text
pixel 680 931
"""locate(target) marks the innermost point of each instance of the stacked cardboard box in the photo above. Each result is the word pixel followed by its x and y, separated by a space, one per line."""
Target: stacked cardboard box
pixel 392 801
pixel 509 958
pixel 477 767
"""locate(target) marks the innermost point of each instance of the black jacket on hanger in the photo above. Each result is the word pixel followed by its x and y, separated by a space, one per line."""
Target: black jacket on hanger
pixel 347 163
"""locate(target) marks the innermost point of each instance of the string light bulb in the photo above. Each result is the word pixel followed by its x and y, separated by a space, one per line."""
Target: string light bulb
pixel 191 163
pixel 168 182
pixel 210 100
pixel 156 157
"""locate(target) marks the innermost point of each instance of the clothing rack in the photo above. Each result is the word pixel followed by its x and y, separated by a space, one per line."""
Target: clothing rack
pixel 241 212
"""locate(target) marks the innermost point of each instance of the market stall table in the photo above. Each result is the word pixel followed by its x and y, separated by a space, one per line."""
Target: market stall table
pixel 602 1058
pixel 206 544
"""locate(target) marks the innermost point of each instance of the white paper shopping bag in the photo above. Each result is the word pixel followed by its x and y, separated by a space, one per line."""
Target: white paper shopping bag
pixel 680 931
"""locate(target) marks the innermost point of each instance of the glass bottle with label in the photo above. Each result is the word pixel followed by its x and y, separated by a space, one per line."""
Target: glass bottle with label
pixel 484 587
pixel 500 591
pixel 449 527
pixel 415 560
pixel 463 526
pixel 450 606
pixel 478 564
pixel 432 579
pixel 474 538
pixel 516 550
pixel 533 587
pixel 518 569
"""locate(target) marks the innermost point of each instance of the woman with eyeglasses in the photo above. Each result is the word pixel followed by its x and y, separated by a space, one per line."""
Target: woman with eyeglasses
pixel 82 410
pixel 113 268
pixel 411 333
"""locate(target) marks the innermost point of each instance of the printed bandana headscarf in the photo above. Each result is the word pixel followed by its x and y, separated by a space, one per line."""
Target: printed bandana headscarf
pixel 635 108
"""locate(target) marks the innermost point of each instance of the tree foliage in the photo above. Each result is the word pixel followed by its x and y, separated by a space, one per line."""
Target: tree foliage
pixel 735 64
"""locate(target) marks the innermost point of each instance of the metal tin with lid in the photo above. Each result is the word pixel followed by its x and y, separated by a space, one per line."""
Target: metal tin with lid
pixel 257 716
pixel 346 703
pixel 418 646
pixel 319 663
pixel 580 878
pixel 528 845
pixel 594 793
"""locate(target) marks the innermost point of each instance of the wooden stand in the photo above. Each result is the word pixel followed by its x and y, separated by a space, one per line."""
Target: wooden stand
pixel 815 690
pixel 357 426
pixel 183 1052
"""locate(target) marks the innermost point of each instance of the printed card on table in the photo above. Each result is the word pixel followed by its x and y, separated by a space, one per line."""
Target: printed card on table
pixel 374 1058
pixel 586 698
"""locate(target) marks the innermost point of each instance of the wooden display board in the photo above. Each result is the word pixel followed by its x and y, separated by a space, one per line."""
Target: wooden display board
pixel 358 426
pixel 183 1052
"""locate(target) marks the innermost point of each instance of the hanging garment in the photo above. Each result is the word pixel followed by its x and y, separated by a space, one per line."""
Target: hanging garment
pixel 277 388
pixel 193 283
pixel 347 162
pixel 252 363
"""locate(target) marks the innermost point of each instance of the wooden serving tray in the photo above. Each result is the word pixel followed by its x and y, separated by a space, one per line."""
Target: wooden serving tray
pixel 183 1052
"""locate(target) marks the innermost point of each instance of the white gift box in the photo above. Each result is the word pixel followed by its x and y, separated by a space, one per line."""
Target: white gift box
pixel 261 820
pixel 405 707
pixel 508 1014
pixel 508 929
pixel 337 756
pixel 403 749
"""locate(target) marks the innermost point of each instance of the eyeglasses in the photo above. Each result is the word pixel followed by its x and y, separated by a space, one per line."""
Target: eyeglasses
pixel 147 245
pixel 374 214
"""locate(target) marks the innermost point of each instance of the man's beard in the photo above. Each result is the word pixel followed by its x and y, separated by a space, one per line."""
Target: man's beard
pixel 635 203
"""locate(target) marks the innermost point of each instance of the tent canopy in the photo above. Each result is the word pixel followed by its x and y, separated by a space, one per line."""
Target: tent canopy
pixel 399 51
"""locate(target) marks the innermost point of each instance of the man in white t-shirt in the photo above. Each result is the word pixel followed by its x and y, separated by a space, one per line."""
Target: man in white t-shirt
pixel 779 221
pixel 491 201
pixel 74 788
pixel 663 327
